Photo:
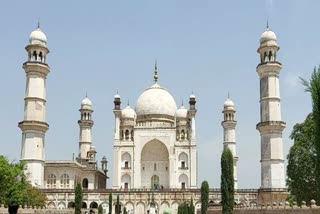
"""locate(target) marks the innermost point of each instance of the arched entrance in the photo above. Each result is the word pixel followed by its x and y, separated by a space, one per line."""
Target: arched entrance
pixel 85 183
pixel 94 205
pixel 155 165
pixel 155 182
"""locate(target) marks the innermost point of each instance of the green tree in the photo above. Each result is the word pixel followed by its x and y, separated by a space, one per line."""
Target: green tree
pixel 302 162
pixel 183 208
pixel 118 206
pixel 191 208
pixel 313 86
pixel 77 199
pixel 227 182
pixel 100 209
pixel 14 186
pixel 204 197
pixel 110 203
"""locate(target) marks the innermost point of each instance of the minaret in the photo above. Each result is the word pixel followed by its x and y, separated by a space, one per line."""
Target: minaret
pixel 85 124
pixel 34 124
pixel 193 148
pixel 116 153
pixel 229 138
pixel 271 125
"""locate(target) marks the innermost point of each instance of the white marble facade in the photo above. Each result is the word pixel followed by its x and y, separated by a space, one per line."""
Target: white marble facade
pixel 155 144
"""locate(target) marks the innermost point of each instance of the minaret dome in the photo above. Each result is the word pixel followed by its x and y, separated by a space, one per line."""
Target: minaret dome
pixel 37 37
pixel 86 104
pixel 228 104
pixel 268 36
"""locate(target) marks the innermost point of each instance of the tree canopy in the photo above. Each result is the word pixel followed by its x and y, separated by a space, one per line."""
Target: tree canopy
pixel 302 161
pixel 15 187
pixel 313 86
pixel 227 181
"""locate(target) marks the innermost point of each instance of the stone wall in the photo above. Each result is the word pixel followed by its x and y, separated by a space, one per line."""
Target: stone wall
pixel 274 209
pixel 40 211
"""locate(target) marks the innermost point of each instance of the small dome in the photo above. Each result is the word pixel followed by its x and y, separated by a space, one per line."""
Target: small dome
pixel 268 35
pixel 128 112
pixel 156 101
pixel 86 103
pixel 117 96
pixel 182 112
pixel 37 37
pixel 192 96
pixel 228 104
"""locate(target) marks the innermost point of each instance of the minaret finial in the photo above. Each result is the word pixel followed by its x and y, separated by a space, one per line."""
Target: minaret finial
pixel 228 95
pixel 86 93
pixel 128 103
pixel 267 24
pixel 155 72
pixel 38 23
pixel 182 102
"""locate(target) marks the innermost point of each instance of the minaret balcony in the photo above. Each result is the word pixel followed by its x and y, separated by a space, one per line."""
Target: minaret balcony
pixel 183 168
pixel 271 125
pixel 33 125
pixel 269 69
pixel 269 63
pixel 36 67
pixel 126 167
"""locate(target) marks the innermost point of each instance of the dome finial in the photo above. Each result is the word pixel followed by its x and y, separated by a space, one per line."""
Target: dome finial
pixel 128 103
pixel 155 72
pixel 267 24
pixel 228 95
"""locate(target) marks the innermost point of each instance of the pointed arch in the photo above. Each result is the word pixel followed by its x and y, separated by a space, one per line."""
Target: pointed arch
pixel 126 160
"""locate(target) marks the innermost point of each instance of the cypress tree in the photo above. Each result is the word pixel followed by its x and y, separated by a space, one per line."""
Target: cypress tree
pixel 118 206
pixel 204 197
pixel 100 209
pixel 191 208
pixel 110 203
pixel 77 199
pixel 227 182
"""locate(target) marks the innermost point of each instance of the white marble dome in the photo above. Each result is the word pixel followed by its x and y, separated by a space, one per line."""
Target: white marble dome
pixel 86 103
pixel 182 112
pixel 156 101
pixel 268 35
pixel 37 37
pixel 228 104
pixel 128 112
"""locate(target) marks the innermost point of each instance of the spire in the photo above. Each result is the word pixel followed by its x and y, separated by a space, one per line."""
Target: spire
pixel 228 95
pixel 155 72
pixel 38 26
pixel 267 27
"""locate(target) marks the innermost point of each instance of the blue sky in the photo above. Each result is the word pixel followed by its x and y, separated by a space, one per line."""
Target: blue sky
pixel 208 47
